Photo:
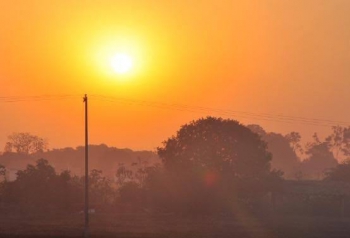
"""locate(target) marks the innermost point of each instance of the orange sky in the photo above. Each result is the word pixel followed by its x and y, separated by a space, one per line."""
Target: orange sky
pixel 263 56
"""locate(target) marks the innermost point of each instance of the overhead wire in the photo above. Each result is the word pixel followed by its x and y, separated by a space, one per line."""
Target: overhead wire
pixel 240 114
pixel 14 99
pixel 182 107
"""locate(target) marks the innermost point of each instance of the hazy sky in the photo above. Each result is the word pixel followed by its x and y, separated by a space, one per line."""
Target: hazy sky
pixel 282 57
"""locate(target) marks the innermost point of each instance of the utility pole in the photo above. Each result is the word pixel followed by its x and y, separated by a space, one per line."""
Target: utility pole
pixel 86 210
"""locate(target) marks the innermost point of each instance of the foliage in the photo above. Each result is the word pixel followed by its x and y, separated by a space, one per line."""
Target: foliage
pixel 132 182
pixel 210 164
pixel 339 141
pixel 131 193
pixel 2 170
pixel 283 148
pixel 25 143
pixel 123 174
pixel 216 144
pixel 318 155
pixel 39 188
pixel 340 173
pixel 101 189
pixel 320 158
pixel 101 157
pixel 284 155
pixel 294 139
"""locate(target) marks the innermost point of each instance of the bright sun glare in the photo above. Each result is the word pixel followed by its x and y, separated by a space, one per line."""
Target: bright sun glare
pixel 121 63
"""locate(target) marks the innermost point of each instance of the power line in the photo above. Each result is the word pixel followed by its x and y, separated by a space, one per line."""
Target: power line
pixel 241 114
pixel 184 108
pixel 14 99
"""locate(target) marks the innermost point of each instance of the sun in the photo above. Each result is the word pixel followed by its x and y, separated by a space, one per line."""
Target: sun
pixel 121 63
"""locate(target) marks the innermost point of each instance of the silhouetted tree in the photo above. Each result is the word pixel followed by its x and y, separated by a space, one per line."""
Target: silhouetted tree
pixel 101 190
pixel 39 188
pixel 101 157
pixel 284 157
pixel 123 174
pixel 211 162
pixel 216 144
pixel 25 143
pixel 340 173
pixel 257 129
pixel 283 150
pixel 294 140
pixel 2 170
pixel 339 142
pixel 131 193
pixel 320 159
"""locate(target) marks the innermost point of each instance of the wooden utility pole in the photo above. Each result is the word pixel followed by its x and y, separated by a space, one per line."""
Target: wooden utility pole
pixel 86 210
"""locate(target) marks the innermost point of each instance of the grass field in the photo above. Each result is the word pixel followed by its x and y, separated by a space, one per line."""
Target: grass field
pixel 161 225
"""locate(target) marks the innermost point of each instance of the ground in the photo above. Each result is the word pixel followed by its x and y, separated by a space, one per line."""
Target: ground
pixel 171 226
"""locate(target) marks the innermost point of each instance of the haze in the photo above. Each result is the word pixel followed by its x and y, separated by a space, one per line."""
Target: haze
pixel 272 56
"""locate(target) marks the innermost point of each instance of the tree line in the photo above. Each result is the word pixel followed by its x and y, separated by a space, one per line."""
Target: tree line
pixel 211 165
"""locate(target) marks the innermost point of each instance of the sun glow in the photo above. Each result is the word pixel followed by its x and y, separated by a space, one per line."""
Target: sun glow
pixel 121 63
pixel 119 59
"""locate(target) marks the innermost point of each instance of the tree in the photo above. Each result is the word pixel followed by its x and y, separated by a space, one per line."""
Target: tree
pixel 284 156
pixel 283 150
pixel 216 144
pixel 257 129
pixel 320 158
pixel 2 171
pixel 39 188
pixel 340 173
pixel 213 161
pixel 339 142
pixel 294 140
pixel 25 143
pixel 101 190
pixel 35 185
pixel 123 174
